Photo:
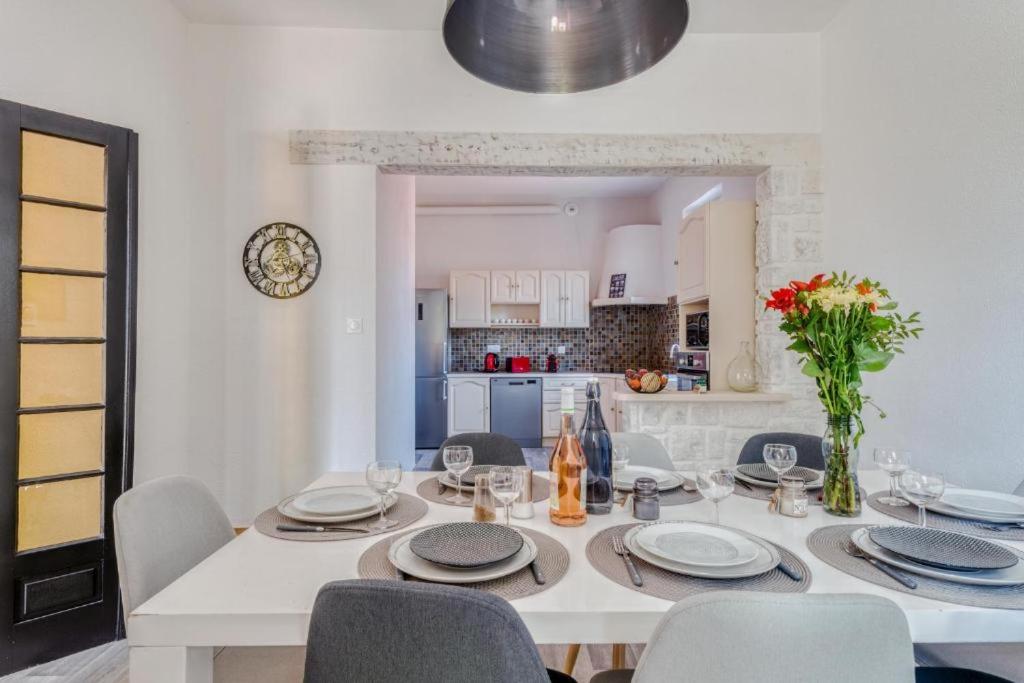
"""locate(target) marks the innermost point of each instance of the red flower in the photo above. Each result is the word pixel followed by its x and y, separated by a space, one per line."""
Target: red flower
pixel 816 282
pixel 783 300
pixel 864 287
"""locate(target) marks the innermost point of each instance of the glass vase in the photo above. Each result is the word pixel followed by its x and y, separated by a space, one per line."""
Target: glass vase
pixel 841 493
pixel 742 371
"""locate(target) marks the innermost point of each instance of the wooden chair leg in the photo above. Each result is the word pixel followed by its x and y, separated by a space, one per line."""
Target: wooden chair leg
pixel 570 658
pixel 618 656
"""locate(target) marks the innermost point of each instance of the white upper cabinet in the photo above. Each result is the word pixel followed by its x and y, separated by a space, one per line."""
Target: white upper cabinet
pixel 469 406
pixel 503 286
pixel 470 294
pixel 552 298
pixel 577 298
pixel 528 286
pixel 693 257
pixel 565 298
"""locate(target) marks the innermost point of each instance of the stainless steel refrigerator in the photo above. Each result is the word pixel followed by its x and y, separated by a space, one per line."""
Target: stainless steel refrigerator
pixel 431 367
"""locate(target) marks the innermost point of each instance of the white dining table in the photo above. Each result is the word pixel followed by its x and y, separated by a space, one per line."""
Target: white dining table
pixel 259 591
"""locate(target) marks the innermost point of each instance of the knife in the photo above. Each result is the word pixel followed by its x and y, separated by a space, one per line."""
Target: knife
pixel 319 529
pixel 538 575
pixel 790 572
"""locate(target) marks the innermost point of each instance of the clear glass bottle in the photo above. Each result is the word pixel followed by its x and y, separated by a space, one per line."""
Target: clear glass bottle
pixel 568 472
pixel 742 372
pixel 596 442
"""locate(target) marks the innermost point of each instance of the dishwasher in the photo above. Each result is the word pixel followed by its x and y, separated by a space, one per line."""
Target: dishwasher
pixel 516 409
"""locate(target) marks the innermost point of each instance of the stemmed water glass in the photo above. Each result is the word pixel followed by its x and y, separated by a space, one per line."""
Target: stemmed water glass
pixel 716 485
pixel 780 457
pixel 457 460
pixel 895 462
pixel 383 476
pixel 620 458
pixel 506 484
pixel 922 489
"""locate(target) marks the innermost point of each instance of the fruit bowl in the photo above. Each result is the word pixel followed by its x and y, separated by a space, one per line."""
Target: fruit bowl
pixel 646 382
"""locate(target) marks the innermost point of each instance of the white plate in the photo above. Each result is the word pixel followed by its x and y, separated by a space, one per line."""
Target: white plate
pixel 336 500
pixel 767 559
pixel 697 545
pixel 666 479
pixel 1010 576
pixel 403 557
pixel 984 502
pixel 950 511
pixel 286 508
pixel 753 481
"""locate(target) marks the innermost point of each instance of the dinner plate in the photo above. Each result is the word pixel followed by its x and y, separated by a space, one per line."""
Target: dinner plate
pixel 984 502
pixel 666 479
pixel 760 470
pixel 336 500
pixel 466 544
pixel 943 549
pixel 753 481
pixel 286 508
pixel 767 559
pixel 402 556
pixel 696 544
pixel 468 477
pixel 1010 576
pixel 950 511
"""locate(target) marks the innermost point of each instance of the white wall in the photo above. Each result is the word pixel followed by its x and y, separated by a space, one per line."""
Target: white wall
pixel 924 141
pixel 541 242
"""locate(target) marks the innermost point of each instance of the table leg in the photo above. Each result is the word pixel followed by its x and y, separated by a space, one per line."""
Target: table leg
pixel 570 658
pixel 618 656
pixel 170 665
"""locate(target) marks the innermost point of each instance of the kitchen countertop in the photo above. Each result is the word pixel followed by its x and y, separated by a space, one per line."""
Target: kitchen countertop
pixel 668 395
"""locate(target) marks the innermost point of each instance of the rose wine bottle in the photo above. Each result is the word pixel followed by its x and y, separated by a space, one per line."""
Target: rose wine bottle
pixel 596 442
pixel 568 471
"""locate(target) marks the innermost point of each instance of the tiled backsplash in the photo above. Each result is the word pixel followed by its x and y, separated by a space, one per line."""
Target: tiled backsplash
pixel 619 337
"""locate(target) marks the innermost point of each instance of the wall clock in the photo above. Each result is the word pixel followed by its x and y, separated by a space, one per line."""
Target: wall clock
pixel 281 260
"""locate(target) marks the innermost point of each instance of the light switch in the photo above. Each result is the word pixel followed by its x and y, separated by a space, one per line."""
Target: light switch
pixel 354 325
pixel 494 348
pixel 561 350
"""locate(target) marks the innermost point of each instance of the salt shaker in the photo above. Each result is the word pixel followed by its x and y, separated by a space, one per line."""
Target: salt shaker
pixel 793 501
pixel 483 499
pixel 522 506
pixel 646 505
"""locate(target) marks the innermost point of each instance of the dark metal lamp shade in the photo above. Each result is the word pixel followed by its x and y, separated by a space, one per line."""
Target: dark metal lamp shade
pixel 561 46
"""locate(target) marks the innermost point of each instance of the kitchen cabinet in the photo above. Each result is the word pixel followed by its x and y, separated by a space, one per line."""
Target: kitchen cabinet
pixel 611 417
pixel 470 298
pixel 515 286
pixel 528 286
pixel 692 274
pixel 469 405
pixel 565 298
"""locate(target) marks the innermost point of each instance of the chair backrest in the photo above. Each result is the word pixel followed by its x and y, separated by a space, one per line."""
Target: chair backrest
pixel 724 637
pixel 163 528
pixel 488 449
pixel 384 631
pixel 644 450
pixel 808 448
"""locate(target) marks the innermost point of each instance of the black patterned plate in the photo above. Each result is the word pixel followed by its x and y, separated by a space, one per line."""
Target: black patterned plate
pixel 943 549
pixel 760 470
pixel 466 544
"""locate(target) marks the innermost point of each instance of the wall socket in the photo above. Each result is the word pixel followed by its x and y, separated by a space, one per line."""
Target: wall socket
pixel 494 348
pixel 354 325
pixel 561 350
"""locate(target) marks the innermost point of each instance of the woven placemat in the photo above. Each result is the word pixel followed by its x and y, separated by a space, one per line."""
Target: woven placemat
pixel 406 510
pixel 428 490
pixel 552 558
pixel 827 545
pixel 667 585
pixel 908 513
pixel 677 496
pixel 765 493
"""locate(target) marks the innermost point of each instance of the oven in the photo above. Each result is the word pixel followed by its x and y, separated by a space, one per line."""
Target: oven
pixel 694 371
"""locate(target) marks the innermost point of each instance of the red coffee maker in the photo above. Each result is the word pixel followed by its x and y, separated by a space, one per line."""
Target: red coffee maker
pixel 491 362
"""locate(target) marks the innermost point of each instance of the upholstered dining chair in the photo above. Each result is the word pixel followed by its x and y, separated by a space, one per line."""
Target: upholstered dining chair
pixel 808 448
pixel 162 529
pixel 366 631
pixel 644 450
pixel 488 449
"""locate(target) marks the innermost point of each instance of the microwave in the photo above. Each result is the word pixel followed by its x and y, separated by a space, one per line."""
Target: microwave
pixel 698 330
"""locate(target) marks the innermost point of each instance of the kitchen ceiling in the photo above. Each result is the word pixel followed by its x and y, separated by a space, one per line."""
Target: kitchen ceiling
pixel 706 16
pixel 474 190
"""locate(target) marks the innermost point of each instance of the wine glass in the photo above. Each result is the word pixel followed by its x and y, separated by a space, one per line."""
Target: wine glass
pixel 922 489
pixel 620 458
pixel 895 462
pixel 779 457
pixel 506 483
pixel 716 485
pixel 458 459
pixel 383 476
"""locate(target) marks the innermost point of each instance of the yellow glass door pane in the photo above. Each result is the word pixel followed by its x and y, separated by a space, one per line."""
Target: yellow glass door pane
pixel 63 237
pixel 50 444
pixel 59 512
pixel 61 306
pixel 57 168
pixel 61 374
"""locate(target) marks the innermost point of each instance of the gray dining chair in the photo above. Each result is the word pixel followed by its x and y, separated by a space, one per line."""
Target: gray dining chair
pixel 644 450
pixel 396 632
pixel 162 529
pixel 723 637
pixel 808 448
pixel 488 449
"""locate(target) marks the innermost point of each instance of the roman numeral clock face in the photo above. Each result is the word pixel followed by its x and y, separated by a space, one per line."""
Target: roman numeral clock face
pixel 281 260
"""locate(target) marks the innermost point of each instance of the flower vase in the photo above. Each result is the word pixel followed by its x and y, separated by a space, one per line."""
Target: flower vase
pixel 841 492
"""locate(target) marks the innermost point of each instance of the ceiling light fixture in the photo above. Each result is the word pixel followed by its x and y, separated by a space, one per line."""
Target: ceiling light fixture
pixel 561 46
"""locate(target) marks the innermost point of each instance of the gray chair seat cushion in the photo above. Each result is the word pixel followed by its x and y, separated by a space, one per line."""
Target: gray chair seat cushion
pixel 808 448
pixel 618 676
pixel 999 659
pixel 488 449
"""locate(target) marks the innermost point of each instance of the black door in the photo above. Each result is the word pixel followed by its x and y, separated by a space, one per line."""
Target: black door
pixel 68 210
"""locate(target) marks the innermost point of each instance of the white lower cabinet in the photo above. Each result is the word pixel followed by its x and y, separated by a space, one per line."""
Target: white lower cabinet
pixel 608 412
pixel 469 405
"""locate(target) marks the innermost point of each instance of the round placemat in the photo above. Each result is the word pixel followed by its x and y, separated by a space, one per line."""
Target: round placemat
pixel 667 585
pixel 405 511
pixel 552 559
pixel 827 545
pixel 428 489
pixel 908 513
pixel 765 493
pixel 679 496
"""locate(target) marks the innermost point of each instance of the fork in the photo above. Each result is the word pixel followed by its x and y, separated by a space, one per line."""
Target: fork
pixel 853 551
pixel 620 550
pixel 1004 526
